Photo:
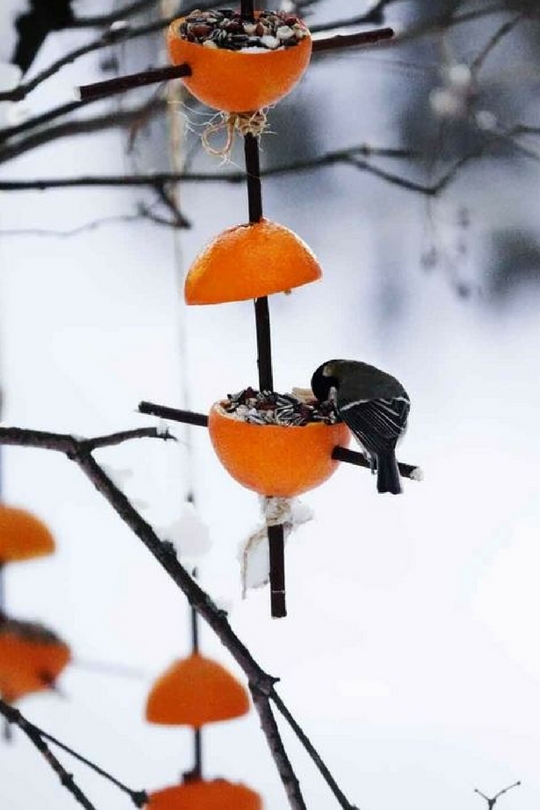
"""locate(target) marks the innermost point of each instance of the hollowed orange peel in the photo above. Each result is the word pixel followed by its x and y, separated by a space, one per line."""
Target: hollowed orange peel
pixel 22 536
pixel 275 460
pixel 30 659
pixel 199 795
pixel 194 691
pixel 250 261
pixel 238 81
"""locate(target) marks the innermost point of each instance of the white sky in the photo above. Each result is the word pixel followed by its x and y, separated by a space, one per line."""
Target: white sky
pixel 410 653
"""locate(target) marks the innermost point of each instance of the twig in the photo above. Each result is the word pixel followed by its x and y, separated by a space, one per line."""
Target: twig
pixel 14 717
pixel 352 457
pixel 493 41
pixel 275 743
pixel 340 41
pixel 102 20
pixel 491 802
pixel 78 450
pixel 111 87
pixel 119 118
pixel 314 754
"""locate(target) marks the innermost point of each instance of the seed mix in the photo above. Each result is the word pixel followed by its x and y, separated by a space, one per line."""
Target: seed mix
pixel 226 29
pixel 269 408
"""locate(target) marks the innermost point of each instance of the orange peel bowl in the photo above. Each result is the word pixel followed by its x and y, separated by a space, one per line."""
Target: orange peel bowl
pixel 237 81
pixel 194 691
pixel 250 261
pixel 22 536
pixel 29 664
pixel 276 460
pixel 199 795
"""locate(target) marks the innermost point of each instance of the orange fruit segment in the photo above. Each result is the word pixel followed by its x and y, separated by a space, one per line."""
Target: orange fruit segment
pixel 22 536
pixel 199 795
pixel 194 691
pixel 31 658
pixel 238 81
pixel 275 460
pixel 250 261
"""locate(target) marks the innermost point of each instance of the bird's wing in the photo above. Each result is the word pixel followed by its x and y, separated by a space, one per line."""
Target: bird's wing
pixel 378 423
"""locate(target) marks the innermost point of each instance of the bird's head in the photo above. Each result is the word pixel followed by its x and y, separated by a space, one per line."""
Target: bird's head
pixel 324 379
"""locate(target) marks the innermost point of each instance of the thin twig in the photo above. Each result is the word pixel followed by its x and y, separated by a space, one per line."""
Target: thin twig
pixel 279 754
pixel 491 802
pixel 493 41
pixel 314 754
pixel 14 717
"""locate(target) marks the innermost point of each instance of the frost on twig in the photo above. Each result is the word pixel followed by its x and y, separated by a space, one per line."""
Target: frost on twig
pixel 253 552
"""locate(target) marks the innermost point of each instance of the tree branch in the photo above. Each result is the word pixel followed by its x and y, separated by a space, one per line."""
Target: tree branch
pixel 260 682
pixel 14 717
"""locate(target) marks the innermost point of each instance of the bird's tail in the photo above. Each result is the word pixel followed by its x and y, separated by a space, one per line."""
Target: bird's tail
pixel 388 479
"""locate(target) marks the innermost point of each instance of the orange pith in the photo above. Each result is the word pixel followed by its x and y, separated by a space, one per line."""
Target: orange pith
pixel 199 795
pixel 22 536
pixel 194 691
pixel 238 81
pixel 250 261
pixel 30 660
pixel 275 460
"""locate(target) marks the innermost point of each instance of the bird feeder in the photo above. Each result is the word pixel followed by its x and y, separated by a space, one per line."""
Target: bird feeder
pixel 275 460
pixel 235 66
pixel 200 795
pixel 194 691
pixel 31 658
pixel 22 536
pixel 250 261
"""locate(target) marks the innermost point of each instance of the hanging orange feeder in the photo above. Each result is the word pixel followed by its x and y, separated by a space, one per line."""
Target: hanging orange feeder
pixel 31 658
pixel 275 460
pixel 194 691
pixel 238 69
pixel 250 261
pixel 22 536
pixel 200 795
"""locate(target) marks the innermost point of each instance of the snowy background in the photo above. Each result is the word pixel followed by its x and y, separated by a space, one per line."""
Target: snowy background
pixel 410 654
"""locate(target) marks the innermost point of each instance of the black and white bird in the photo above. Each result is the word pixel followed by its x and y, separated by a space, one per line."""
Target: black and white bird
pixel 374 405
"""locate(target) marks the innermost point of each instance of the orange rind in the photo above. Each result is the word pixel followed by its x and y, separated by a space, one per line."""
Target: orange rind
pixel 275 460
pixel 250 261
pixel 22 536
pixel 238 81
pixel 31 658
pixel 194 691
pixel 200 795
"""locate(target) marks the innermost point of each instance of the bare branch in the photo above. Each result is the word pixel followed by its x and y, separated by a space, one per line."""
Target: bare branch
pixel 68 129
pixel 102 20
pixel 14 717
pixel 493 41
pixel 310 748
pixel 275 743
pixel 491 802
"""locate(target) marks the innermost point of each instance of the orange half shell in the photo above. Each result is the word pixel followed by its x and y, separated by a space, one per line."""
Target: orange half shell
pixel 250 261
pixel 276 460
pixel 194 691
pixel 199 795
pixel 238 81
pixel 22 536
pixel 31 659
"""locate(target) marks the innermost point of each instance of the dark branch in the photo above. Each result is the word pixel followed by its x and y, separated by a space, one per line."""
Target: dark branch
pixel 14 717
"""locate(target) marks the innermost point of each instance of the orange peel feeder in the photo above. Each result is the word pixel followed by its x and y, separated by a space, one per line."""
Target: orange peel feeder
pixel 31 658
pixel 194 691
pixel 242 80
pixel 275 460
pixel 200 795
pixel 250 261
pixel 22 536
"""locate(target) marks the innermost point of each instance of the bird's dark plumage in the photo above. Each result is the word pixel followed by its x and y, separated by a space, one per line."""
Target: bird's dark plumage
pixel 374 405
pixel 34 25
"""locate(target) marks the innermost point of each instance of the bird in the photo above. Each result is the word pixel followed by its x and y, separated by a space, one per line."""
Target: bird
pixel 33 22
pixel 374 405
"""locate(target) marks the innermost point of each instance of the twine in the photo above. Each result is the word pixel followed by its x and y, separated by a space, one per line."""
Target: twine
pixel 248 123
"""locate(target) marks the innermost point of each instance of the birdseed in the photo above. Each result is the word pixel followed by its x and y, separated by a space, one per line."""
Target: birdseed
pixel 270 408
pixel 225 29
